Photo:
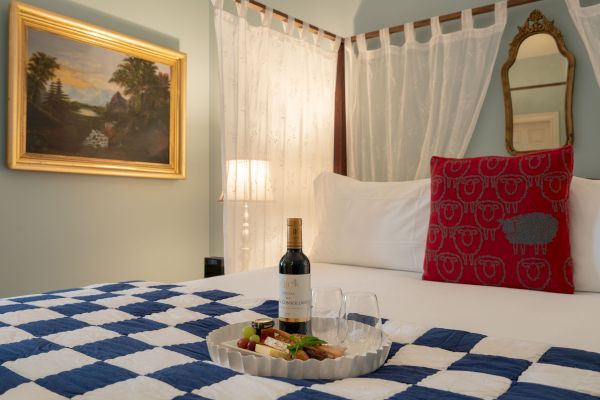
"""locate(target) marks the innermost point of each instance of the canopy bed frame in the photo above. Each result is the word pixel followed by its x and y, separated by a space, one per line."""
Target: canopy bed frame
pixel 340 165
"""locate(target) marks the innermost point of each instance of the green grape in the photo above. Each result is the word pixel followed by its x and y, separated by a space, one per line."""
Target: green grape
pixel 248 331
pixel 254 338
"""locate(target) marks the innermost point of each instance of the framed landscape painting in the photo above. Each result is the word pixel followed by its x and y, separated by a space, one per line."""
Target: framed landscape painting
pixel 83 99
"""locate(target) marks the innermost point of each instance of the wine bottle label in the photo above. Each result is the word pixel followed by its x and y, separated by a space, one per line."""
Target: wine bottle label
pixel 294 297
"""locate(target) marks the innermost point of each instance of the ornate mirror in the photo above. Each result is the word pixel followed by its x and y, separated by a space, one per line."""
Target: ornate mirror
pixel 538 88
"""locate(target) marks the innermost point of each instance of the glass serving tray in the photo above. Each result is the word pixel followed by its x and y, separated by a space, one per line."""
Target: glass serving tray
pixel 223 351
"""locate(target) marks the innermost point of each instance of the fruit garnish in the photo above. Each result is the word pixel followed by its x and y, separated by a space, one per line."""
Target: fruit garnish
pixel 298 344
pixel 243 343
pixel 251 346
pixel 254 338
pixel 248 331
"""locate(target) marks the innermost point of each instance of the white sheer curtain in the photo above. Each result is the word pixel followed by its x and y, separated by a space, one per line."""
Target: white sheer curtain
pixel 278 91
pixel 587 21
pixel 407 103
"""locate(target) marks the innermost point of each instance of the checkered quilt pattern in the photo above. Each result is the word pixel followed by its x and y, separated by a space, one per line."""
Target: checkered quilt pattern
pixel 143 340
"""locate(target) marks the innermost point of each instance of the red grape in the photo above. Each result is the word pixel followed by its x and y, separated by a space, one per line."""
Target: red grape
pixel 242 343
pixel 251 346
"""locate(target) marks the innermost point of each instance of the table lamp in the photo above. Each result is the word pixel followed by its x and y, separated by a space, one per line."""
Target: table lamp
pixel 247 181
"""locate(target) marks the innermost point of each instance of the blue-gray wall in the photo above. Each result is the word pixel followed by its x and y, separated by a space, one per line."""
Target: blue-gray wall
pixel 66 230
pixel 488 138
pixel 489 133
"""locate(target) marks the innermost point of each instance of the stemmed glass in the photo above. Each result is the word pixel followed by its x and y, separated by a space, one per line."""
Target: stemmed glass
pixel 361 328
pixel 326 313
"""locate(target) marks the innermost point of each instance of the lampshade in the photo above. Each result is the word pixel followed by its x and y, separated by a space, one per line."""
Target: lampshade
pixel 248 180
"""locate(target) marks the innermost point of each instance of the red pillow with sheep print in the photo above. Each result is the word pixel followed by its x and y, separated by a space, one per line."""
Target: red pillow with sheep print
pixel 501 221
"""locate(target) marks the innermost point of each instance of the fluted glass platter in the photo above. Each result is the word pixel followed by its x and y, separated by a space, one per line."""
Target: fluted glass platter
pixel 222 350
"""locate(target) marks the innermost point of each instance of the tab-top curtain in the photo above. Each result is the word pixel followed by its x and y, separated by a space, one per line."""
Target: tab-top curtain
pixel 587 21
pixel 277 99
pixel 407 103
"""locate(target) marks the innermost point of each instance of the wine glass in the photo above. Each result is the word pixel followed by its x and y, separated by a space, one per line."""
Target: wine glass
pixel 326 313
pixel 362 328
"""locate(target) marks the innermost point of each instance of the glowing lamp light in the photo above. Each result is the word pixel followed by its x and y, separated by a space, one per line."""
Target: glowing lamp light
pixel 248 180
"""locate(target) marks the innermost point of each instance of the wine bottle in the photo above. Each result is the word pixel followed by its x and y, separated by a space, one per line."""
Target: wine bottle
pixel 294 283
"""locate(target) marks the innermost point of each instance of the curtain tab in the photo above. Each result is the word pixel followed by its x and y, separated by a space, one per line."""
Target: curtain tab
pixel 384 37
pixel 290 26
pixel 337 43
pixel 242 8
pixel 319 37
pixel 267 16
pixel 500 11
pixel 436 28
pixel 217 4
pixel 348 45
pixel 409 33
pixel 576 9
pixel 361 43
pixel 575 6
pixel 570 3
pixel 466 18
pixel 305 30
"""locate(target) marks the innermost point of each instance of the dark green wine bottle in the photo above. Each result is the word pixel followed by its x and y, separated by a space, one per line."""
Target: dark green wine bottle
pixel 294 283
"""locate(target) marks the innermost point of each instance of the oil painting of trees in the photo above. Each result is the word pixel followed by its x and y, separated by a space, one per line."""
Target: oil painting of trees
pixel 88 101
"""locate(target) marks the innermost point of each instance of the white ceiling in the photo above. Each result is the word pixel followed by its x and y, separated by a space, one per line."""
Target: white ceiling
pixel 349 17
pixel 335 16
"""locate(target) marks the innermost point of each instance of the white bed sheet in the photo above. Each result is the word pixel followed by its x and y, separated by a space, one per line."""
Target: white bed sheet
pixel 556 319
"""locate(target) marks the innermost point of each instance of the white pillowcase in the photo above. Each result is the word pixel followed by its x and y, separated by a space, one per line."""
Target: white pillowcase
pixel 584 227
pixel 384 225
pixel 371 224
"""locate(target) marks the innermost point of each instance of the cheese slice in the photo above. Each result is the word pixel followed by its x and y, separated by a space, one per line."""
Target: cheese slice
pixel 269 351
pixel 276 344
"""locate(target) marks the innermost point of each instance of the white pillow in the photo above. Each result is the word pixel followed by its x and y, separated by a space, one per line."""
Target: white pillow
pixel 384 225
pixel 371 224
pixel 584 233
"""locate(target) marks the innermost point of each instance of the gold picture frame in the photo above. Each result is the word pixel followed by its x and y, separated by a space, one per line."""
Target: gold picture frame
pixel 84 99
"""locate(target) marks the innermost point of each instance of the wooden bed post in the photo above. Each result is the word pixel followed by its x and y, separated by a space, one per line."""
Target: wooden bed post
pixel 339 139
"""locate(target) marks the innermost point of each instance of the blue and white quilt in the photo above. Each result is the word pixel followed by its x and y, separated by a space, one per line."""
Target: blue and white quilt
pixel 142 340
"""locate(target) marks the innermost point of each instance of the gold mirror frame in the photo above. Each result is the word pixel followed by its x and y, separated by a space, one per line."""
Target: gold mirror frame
pixel 535 24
